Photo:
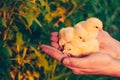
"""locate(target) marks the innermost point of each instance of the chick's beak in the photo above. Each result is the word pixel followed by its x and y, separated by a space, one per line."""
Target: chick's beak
pixel 100 29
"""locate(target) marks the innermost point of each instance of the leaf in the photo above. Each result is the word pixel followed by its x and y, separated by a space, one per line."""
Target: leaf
pixel 10 35
pixel 4 22
pixel 59 12
pixel 4 61
pixel 9 51
pixel 19 40
pixel 30 4
pixel 36 74
pixel 24 52
pixel 29 19
pixel 44 3
pixel 41 59
pixel 33 1
pixel 1 43
pixel 38 22
pixel 29 12
pixel 65 1
pixel 68 22
pixel 48 17
pixel 5 74
pixel 74 3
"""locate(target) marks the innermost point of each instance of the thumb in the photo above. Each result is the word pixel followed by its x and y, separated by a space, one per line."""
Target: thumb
pixel 53 52
pixel 77 62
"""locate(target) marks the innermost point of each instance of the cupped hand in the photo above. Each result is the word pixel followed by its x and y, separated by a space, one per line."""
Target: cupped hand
pixel 104 62
pixel 98 63
pixel 108 45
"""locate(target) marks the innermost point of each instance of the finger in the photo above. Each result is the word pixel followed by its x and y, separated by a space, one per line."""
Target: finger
pixel 77 62
pixel 54 38
pixel 55 45
pixel 83 71
pixel 108 51
pixel 54 34
pixel 53 52
pixel 76 69
pixel 80 71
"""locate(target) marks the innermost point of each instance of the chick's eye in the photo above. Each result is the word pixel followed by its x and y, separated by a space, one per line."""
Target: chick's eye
pixel 80 37
pixel 69 49
pixel 96 27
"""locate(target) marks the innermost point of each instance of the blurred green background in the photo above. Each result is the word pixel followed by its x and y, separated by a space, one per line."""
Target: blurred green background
pixel 26 24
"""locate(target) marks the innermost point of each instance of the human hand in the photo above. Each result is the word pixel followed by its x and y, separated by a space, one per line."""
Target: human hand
pixel 108 45
pixel 98 63
pixel 92 64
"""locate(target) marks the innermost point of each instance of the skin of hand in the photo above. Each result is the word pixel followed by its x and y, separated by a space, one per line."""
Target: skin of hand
pixel 108 44
pixel 95 64
pixel 92 26
pixel 106 62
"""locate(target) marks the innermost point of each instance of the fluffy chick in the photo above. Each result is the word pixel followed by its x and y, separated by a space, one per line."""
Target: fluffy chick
pixel 91 46
pixel 82 38
pixel 92 26
pixel 65 35
pixel 71 50
pixel 80 32
pixel 86 48
pixel 76 46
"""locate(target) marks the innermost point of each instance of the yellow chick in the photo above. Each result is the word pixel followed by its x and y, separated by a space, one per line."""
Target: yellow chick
pixel 77 42
pixel 86 48
pixel 76 35
pixel 92 26
pixel 91 46
pixel 72 50
pixel 65 35
pixel 81 39
pixel 76 46
pixel 80 32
